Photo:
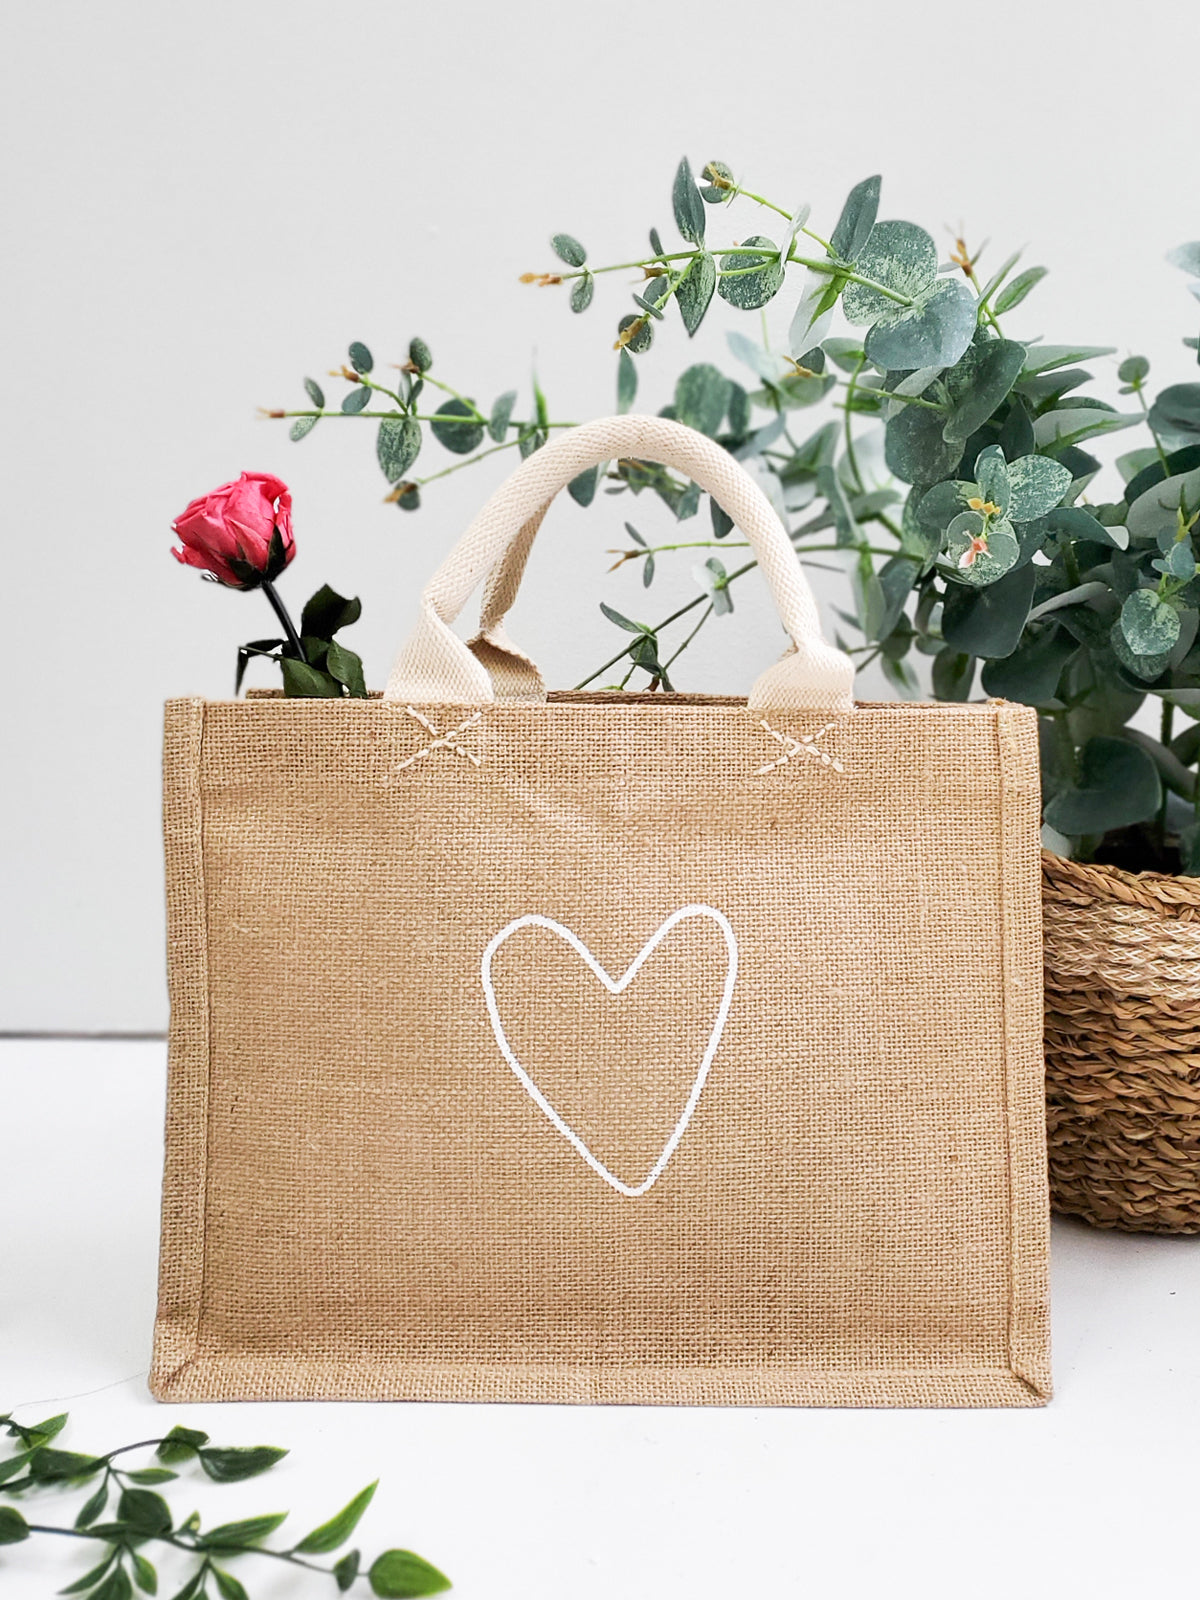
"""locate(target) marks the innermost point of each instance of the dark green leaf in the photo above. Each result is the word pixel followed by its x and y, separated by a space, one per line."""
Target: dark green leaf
pixel 621 622
pixel 988 622
pixel 229 1587
pixel 360 357
pixel 346 1570
pixel 647 572
pixel 144 1574
pixel 323 615
pixel 90 1579
pixel 701 396
pixel 301 428
pixel 1118 785
pixel 14 1464
pixel 1153 472
pixel 13 1527
pixel 979 383
pixel 582 488
pixel 398 446
pixel 915 448
pixel 251 1530
pixel 357 400
pixel 193 1586
pixel 689 207
pixel 420 354
pixel 952 675
pixel 626 381
pixel 347 668
pixel 43 1432
pixel 568 249
pixel 757 279
pixel 450 430
pixel 1031 673
pixel 144 1510
pixel 739 410
pixel 62 1466
pixel 334 1533
pixel 722 522
pixel 152 1475
pixel 933 332
pixel 1150 626
pixel 315 393
pixel 582 292
pixel 695 291
pixel 92 1507
pixel 857 219
pixel 1012 294
pixel 400 1575
pixel 720 183
pixel 1133 370
pixel 115 1587
pixel 231 1466
pixel 1036 485
pixel 181 1444
pixel 1175 415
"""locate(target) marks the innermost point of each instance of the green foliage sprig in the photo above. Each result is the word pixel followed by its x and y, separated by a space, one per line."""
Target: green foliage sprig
pixel 970 536
pixel 123 1512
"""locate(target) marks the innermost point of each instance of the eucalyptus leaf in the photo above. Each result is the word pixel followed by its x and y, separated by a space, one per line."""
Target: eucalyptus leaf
pixel 397 446
pixel 454 433
pixel 1011 296
pixel 1074 422
pixel 301 428
pixel 1157 511
pixel 688 204
pixel 582 488
pixel 315 393
pixel 582 292
pixel 989 622
pixel 813 316
pixel 360 357
pixel 357 400
pixel 701 397
pixel 1031 673
pixel 756 277
pixel 501 416
pixel 1150 625
pixel 637 332
pixel 857 219
pixel 915 448
pixel 695 291
pixel 983 378
pixel 1036 485
pixel 568 249
pixel 1046 357
pixel 1175 415
pixel 626 381
pixel 1118 786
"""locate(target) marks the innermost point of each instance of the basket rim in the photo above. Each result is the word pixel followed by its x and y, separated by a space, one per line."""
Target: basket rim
pixel 1154 891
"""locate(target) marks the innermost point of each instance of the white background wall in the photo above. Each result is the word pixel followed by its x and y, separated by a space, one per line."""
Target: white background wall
pixel 203 203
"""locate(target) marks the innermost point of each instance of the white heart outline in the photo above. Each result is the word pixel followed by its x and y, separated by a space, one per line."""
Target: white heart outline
pixel 614 986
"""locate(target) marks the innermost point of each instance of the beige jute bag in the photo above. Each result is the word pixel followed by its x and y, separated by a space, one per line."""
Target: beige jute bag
pixel 603 1047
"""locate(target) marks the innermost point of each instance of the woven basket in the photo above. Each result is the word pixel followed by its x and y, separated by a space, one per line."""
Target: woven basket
pixel 1123 1045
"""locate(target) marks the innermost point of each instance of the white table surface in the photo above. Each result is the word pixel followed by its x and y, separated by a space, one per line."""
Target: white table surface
pixel 1097 1495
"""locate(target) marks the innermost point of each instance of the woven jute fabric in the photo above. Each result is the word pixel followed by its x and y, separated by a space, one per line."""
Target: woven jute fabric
pixel 1123 1045
pixel 363 1200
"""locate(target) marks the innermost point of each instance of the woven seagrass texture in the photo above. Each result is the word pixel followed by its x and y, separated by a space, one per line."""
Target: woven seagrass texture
pixel 362 1200
pixel 1123 1045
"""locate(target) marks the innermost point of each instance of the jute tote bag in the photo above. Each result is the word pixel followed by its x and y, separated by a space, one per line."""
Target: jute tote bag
pixel 602 1047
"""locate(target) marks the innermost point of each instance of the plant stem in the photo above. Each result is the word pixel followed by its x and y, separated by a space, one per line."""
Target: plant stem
pixel 675 657
pixel 847 413
pixel 1165 728
pixel 297 650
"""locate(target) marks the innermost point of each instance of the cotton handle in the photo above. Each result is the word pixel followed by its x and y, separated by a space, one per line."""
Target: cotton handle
pixel 436 667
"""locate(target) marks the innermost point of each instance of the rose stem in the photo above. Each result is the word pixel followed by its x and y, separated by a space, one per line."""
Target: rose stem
pixel 288 626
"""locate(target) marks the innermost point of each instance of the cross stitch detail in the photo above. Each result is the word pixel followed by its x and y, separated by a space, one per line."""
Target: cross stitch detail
pixel 440 741
pixel 805 745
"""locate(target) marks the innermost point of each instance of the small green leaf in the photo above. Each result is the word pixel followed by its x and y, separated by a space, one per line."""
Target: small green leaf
pixel 582 292
pixel 722 522
pixel 1067 425
pixel 334 1533
pixel 90 1579
pixel 857 219
pixel 952 675
pixel 720 183
pixel 315 393
pixel 450 430
pixel 1036 485
pixel 695 291
pixel 231 1466
pixel 360 357
pixel 647 572
pixel 14 1464
pixel 626 381
pixel 397 446
pixel 251 1530
pixel 13 1527
pixel 1134 369
pixel 144 1510
pixel 1118 785
pixel 420 354
pixel 144 1574
pixel 621 621
pixel 502 415
pixel 115 1587
pixel 640 340
pixel 755 278
pixel 181 1444
pixel 689 207
pixel 301 428
pixel 1012 295
pixel 347 668
pixel 1175 415
pixel 357 400
pixel 346 1570
pixel 568 249
pixel 981 380
pixel 229 1587
pixel 193 1586
pixel 401 1575
pixel 92 1507
pixel 701 396
pixel 43 1432
pixel 1048 357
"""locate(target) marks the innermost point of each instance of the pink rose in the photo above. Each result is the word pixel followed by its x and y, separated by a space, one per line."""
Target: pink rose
pixel 241 532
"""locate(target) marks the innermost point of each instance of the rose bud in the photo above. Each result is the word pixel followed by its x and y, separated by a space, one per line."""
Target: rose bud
pixel 241 533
